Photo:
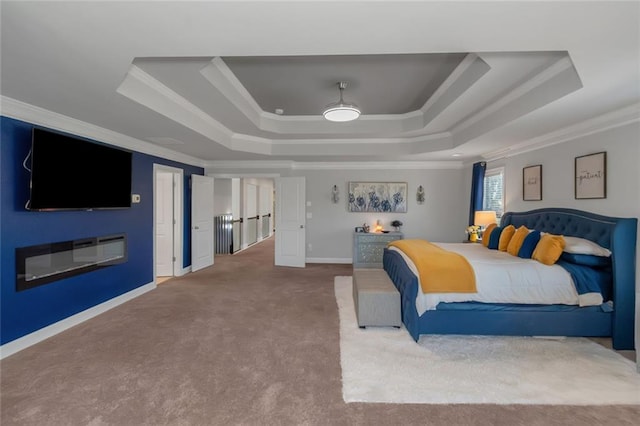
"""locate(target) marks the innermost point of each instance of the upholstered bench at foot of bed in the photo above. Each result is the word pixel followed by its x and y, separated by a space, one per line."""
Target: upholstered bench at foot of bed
pixel 376 299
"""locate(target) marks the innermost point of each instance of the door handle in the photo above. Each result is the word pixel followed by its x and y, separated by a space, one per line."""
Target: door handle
pixel 196 227
pixel 301 226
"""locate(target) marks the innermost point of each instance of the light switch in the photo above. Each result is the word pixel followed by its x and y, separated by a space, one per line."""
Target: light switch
pixel 308 203
pixel 309 215
pixel 135 198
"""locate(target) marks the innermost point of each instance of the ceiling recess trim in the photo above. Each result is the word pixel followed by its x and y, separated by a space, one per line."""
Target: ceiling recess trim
pixel 611 120
pixel 532 92
pixel 19 110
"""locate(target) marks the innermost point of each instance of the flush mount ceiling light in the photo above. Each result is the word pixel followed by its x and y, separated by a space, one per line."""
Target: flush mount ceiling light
pixel 341 111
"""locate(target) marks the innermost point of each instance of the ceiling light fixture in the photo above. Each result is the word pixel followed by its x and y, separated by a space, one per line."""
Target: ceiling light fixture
pixel 341 111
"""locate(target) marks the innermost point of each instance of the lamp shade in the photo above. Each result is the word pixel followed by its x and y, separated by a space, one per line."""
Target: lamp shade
pixel 484 218
pixel 341 112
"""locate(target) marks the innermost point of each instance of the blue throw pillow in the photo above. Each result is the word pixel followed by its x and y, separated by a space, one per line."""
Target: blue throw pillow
pixel 529 245
pixel 494 238
pixel 586 259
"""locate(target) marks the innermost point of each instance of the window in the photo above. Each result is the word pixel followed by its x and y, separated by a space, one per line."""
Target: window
pixel 493 198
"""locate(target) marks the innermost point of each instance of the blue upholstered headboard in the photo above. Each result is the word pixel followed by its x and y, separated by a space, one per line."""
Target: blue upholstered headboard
pixel 615 233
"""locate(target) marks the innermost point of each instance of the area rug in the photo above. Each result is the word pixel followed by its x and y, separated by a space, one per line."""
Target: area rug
pixel 385 365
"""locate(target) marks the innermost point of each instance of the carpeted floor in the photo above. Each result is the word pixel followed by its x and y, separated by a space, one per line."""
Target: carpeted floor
pixel 384 364
pixel 239 343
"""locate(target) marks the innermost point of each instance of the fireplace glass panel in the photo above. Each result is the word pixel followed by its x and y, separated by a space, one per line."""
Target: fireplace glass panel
pixel 45 263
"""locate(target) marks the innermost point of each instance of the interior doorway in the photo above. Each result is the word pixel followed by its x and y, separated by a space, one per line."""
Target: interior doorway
pixel 167 222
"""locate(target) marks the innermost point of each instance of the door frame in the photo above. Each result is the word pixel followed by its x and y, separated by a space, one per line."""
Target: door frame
pixel 273 176
pixel 178 217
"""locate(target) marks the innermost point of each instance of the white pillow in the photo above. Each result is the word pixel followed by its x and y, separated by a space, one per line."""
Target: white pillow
pixel 582 246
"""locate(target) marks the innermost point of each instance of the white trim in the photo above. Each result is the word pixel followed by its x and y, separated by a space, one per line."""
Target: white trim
pixel 341 260
pixel 381 165
pixel 35 115
pixel 266 164
pixel 184 271
pixel 241 175
pixel 601 123
pixel 520 91
pixel 146 90
pixel 178 229
pixel 214 166
pixel 38 336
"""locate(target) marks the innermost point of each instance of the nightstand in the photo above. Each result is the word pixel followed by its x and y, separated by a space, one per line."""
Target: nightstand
pixel 368 248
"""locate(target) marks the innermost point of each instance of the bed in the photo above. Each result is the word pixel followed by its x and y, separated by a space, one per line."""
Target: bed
pixel 613 318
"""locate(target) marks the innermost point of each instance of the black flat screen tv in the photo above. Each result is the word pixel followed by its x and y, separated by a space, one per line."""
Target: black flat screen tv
pixel 68 173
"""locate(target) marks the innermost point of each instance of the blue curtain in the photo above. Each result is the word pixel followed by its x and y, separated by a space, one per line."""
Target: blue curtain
pixel 477 189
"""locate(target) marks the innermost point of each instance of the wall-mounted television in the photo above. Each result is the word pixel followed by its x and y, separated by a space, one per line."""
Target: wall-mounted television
pixel 69 173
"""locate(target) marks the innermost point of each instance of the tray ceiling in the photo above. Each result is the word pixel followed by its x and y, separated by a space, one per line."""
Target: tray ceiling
pixel 433 79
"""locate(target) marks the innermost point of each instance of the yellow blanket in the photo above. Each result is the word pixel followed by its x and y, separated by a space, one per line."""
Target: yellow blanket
pixel 440 270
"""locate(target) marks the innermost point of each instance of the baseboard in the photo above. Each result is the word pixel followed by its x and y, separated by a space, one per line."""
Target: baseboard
pixel 24 342
pixel 342 260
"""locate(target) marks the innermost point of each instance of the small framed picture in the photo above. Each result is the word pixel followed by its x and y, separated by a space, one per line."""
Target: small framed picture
pixel 591 176
pixel 359 229
pixel 532 183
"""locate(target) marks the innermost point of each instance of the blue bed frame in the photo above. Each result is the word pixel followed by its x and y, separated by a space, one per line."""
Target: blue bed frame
pixel 616 234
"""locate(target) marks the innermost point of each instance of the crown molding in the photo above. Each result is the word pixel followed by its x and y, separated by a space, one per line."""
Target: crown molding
pixel 141 87
pixel 220 76
pixel 19 110
pixel 364 165
pixel 598 124
pixel 466 74
pixel 380 165
pixel 518 92
pixel 253 164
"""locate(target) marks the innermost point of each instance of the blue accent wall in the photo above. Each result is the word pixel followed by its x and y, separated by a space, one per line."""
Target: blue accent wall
pixel 30 310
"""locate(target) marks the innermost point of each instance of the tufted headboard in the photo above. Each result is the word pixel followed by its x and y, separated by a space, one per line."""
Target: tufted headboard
pixel 615 233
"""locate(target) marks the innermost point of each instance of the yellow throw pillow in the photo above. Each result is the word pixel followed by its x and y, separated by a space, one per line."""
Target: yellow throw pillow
pixel 516 241
pixel 505 237
pixel 487 233
pixel 549 249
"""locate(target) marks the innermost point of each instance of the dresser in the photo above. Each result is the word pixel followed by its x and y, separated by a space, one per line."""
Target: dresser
pixel 369 247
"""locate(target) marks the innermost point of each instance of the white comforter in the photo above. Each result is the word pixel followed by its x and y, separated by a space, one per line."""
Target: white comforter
pixel 503 278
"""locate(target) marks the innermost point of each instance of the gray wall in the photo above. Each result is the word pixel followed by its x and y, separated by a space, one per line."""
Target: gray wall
pixel 622 145
pixel 329 231
pixel 221 196
pixel 442 217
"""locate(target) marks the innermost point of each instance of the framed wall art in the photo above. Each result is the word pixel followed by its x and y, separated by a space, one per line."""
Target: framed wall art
pixel 532 183
pixel 591 176
pixel 380 197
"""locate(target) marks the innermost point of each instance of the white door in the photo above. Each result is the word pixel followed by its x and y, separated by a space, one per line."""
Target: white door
pixel 164 224
pixel 290 222
pixel 201 222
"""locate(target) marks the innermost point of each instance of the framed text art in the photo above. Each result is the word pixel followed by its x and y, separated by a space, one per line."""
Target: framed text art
pixel 532 183
pixel 381 197
pixel 591 176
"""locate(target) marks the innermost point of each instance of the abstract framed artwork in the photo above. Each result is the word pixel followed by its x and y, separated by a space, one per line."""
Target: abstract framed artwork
pixel 380 197
pixel 591 176
pixel 532 183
